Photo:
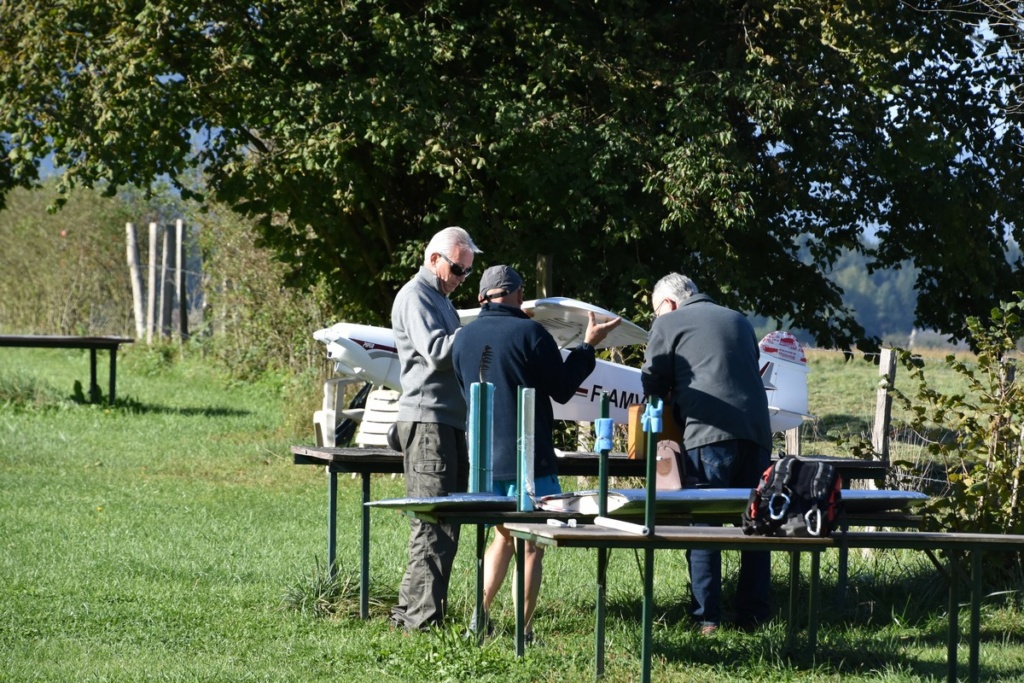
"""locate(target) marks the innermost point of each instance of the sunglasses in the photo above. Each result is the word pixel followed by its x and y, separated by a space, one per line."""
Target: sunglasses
pixel 457 270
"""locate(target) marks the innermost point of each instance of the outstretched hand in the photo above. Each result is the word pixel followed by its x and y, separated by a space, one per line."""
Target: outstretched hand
pixel 596 332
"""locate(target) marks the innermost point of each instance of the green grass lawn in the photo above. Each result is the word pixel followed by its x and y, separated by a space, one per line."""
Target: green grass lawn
pixel 171 538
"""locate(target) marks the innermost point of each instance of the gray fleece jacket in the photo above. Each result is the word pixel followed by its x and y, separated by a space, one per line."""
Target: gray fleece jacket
pixel 424 322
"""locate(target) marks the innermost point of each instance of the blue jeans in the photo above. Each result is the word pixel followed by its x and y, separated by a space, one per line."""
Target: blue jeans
pixel 737 463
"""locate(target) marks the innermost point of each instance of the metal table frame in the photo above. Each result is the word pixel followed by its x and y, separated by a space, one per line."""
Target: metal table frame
pixel 463 515
pixel 367 461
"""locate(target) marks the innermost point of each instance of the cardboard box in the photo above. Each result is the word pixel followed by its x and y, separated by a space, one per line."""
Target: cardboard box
pixel 636 437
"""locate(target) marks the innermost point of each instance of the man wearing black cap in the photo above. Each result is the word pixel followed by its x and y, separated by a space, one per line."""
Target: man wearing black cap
pixel 522 353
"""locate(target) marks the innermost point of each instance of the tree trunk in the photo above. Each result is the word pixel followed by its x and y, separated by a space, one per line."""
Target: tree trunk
pixel 545 275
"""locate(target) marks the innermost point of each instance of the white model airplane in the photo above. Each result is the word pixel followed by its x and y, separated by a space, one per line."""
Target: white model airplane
pixel 368 353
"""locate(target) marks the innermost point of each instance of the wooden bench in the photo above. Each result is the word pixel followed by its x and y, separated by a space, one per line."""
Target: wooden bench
pixel 61 342
pixel 731 538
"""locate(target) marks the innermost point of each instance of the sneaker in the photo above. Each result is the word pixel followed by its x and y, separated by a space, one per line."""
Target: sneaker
pixel 708 629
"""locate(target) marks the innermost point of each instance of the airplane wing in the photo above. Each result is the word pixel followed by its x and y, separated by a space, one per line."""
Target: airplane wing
pixel 566 319
pixel 369 353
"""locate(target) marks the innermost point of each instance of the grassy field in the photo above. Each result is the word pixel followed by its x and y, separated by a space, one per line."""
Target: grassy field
pixel 170 538
pixel 842 398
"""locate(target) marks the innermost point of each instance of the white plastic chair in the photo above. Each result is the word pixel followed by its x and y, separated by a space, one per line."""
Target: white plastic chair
pixel 380 413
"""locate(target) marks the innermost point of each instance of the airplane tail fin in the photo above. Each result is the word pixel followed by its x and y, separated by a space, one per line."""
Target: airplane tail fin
pixel 784 373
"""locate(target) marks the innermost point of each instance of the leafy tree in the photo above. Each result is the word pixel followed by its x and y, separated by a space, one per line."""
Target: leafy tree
pixel 625 140
pixel 1006 20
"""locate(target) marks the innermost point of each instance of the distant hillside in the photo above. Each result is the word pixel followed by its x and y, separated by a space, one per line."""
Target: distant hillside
pixel 883 302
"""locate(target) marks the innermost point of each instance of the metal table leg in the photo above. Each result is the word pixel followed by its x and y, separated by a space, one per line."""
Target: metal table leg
pixel 645 675
pixel 954 622
pixel 812 616
pixel 113 375
pixel 94 387
pixel 332 520
pixel 974 670
pixel 364 541
pixel 478 610
pixel 521 602
pixel 602 599
pixel 364 547
pixel 794 594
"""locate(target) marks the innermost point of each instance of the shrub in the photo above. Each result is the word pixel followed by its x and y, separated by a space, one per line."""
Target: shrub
pixel 975 436
pixel 257 322
pixel 64 273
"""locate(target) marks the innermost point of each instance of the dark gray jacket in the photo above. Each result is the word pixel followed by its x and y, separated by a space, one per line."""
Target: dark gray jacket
pixel 706 357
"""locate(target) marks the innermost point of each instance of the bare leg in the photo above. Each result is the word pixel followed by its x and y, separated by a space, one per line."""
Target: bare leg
pixel 534 568
pixel 496 560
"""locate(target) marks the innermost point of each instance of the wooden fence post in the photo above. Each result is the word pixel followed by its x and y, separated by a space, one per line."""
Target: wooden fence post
pixel 151 294
pixel 793 441
pixel 167 283
pixel 135 276
pixel 883 405
pixel 180 281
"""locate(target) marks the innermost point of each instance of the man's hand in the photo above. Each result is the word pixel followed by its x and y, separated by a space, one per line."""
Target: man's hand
pixel 596 332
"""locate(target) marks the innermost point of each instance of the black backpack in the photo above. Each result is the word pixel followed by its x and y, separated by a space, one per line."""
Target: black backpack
pixel 795 497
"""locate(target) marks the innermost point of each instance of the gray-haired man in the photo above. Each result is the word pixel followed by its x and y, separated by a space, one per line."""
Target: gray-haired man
pixel 431 420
